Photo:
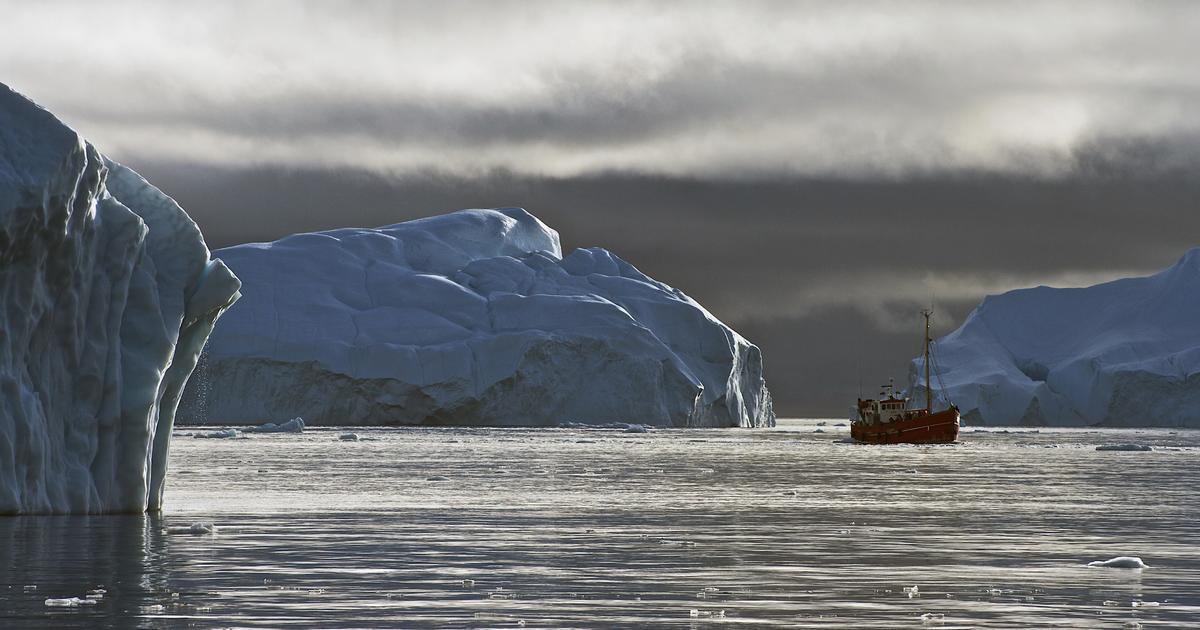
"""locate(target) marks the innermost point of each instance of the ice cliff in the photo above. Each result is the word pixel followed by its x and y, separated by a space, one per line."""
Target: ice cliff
pixel 107 295
pixel 1123 353
pixel 470 318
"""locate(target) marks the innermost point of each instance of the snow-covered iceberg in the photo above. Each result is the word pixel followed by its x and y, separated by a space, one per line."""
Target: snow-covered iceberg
pixel 469 318
pixel 107 295
pixel 1123 353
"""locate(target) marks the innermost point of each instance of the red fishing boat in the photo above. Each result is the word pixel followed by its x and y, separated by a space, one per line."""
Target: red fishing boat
pixel 888 420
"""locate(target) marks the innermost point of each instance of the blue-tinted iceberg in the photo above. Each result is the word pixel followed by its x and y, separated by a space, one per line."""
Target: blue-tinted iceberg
pixel 470 318
pixel 107 295
pixel 1123 353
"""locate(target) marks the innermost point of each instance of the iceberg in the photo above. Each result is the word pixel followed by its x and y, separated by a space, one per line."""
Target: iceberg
pixel 469 318
pixel 1120 354
pixel 107 294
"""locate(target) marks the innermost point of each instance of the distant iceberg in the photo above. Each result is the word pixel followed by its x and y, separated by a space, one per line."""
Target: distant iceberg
pixel 1120 354
pixel 107 294
pixel 470 318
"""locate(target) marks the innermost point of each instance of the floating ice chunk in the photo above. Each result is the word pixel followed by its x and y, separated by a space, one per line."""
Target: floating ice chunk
pixel 295 425
pixel 637 428
pixel 1144 604
pixel 348 437
pixel 437 478
pixel 818 430
pixel 912 591
pixel 227 433
pixel 196 528
pixel 1121 562
pixel 29 588
pixel 468 583
pixel 69 602
pixel 1110 603
pixel 1125 447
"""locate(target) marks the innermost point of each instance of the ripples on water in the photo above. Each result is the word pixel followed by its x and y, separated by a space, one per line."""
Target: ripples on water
pixel 480 528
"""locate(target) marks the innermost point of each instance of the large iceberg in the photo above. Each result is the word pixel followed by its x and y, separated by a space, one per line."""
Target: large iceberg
pixel 107 295
pixel 470 318
pixel 1123 353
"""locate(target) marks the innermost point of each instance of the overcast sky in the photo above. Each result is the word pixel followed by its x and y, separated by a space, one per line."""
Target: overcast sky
pixel 811 172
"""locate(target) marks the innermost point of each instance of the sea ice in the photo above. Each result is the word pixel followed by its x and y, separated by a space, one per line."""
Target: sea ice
pixel 472 318
pixel 295 425
pixel 69 602
pixel 1122 353
pixel 1121 562
pixel 197 528
pixel 107 295
pixel 226 433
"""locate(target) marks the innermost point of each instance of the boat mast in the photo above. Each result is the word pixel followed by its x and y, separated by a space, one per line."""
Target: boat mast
pixel 928 388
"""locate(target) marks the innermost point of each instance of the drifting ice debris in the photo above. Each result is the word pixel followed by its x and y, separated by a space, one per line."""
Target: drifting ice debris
pixel 1124 447
pixel 196 528
pixel 932 618
pixel 912 591
pixel 1144 604
pixel 295 425
pixel 1120 562
pixel 437 478
pixel 637 428
pixel 69 602
pixel 227 433
pixel 107 295
pixel 473 317
pixel 348 437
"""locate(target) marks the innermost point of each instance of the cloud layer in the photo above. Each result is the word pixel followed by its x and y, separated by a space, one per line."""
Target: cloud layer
pixel 733 89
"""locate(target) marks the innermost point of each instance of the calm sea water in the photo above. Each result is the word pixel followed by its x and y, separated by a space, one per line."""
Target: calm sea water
pixel 504 528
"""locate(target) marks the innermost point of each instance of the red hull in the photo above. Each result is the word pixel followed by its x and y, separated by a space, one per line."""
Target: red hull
pixel 935 428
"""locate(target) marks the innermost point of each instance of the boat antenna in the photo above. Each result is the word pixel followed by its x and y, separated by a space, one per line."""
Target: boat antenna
pixel 928 389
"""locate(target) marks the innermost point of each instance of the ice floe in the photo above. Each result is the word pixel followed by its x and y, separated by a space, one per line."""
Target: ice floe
pixel 295 425
pixel 1121 562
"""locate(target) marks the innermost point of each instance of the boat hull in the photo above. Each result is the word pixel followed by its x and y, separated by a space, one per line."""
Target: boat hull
pixel 935 428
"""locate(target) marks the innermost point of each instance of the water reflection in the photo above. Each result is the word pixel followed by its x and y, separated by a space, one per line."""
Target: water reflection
pixel 44 557
pixel 491 528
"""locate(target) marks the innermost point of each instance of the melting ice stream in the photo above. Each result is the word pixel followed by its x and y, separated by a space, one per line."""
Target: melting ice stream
pixel 503 528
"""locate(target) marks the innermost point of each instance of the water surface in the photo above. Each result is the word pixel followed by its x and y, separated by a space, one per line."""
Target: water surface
pixel 482 528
